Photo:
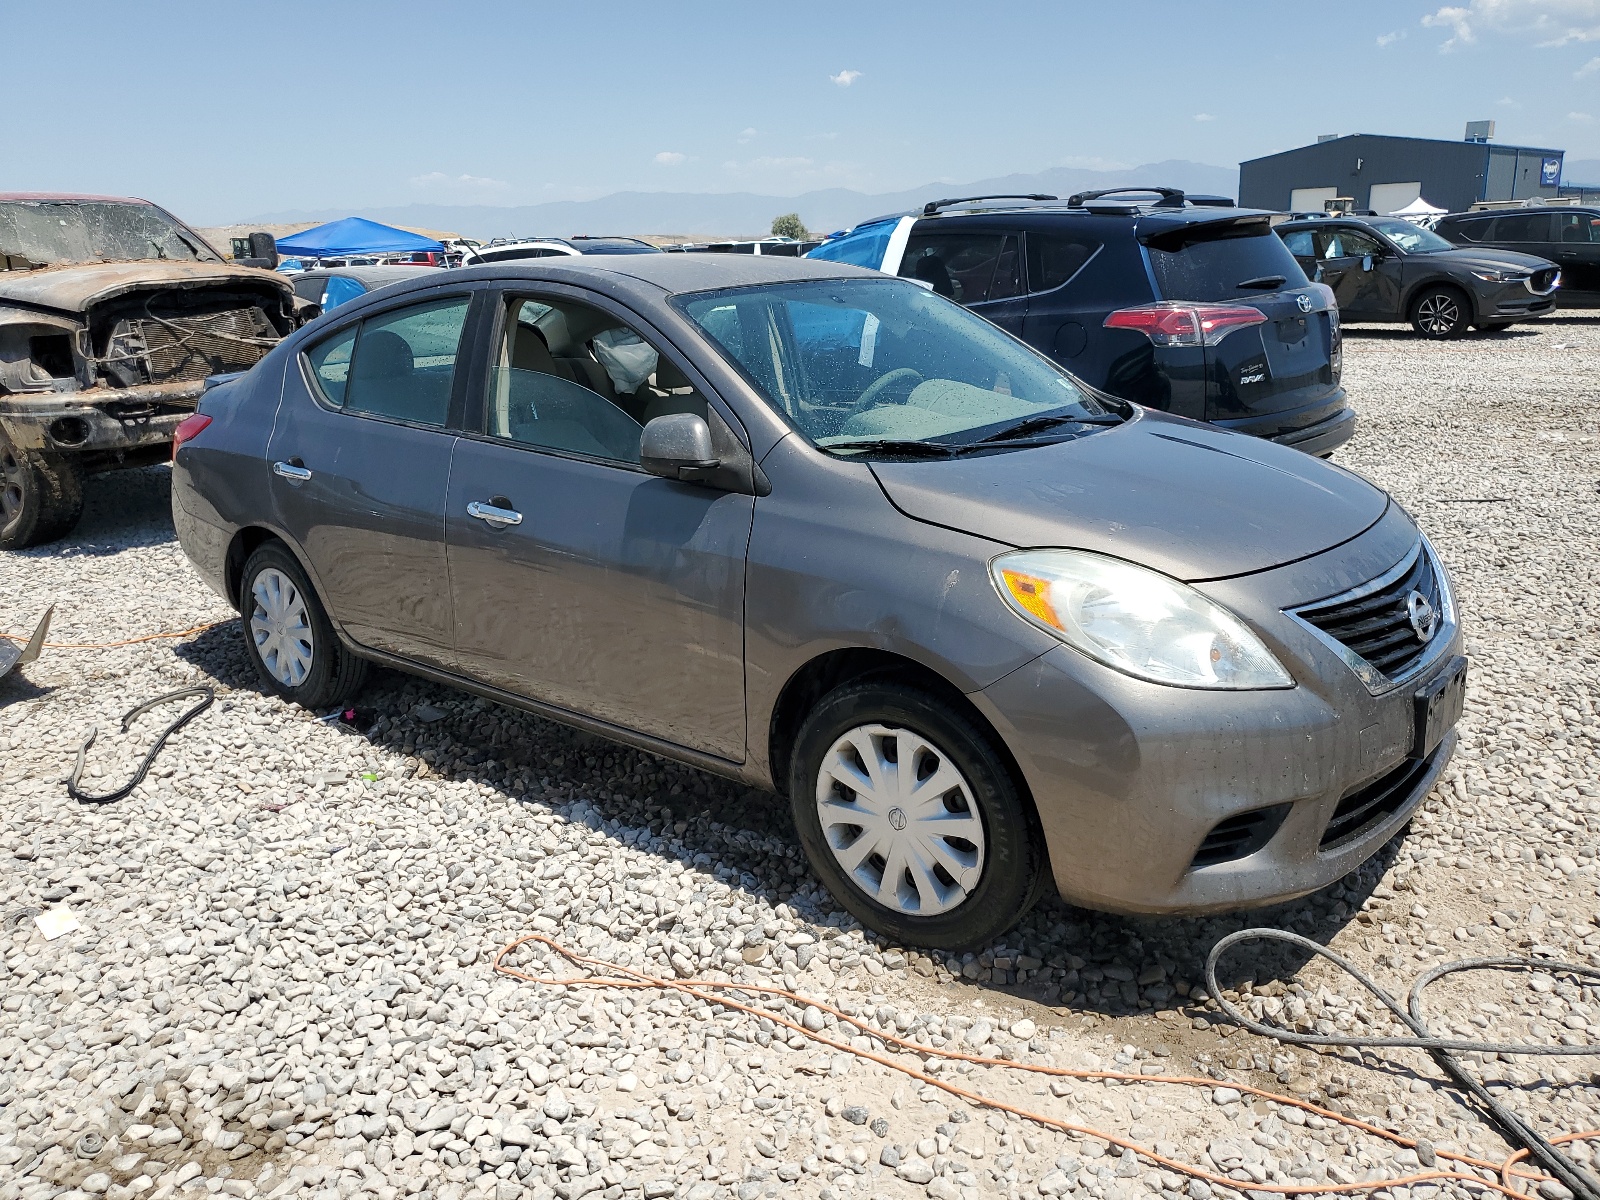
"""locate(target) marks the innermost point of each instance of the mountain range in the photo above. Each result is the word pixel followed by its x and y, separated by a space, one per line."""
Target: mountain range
pixel 747 213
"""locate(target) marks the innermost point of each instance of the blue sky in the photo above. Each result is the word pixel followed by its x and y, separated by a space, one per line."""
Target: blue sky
pixel 224 111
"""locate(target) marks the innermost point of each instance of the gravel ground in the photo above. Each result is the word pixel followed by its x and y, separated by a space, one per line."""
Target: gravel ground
pixel 282 978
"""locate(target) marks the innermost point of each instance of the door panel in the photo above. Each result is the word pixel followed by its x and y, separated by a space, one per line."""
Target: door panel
pixel 1576 251
pixel 1364 274
pixel 370 519
pixel 618 595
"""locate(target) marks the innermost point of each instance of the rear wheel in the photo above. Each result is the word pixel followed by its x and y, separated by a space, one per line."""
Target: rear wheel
pixel 41 496
pixel 288 635
pixel 909 813
pixel 1440 313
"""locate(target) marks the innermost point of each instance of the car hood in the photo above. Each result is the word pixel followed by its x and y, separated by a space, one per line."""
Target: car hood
pixel 1488 259
pixel 78 287
pixel 1194 502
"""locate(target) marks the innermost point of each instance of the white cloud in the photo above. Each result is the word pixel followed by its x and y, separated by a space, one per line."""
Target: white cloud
pixel 1508 102
pixel 1581 117
pixel 671 158
pixel 1547 22
pixel 767 163
pixel 845 78
pixel 748 133
pixel 1592 67
pixel 476 189
pixel 1385 40
pixel 1204 117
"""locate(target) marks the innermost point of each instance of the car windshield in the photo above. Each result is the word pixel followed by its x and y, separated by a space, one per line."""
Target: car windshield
pixel 856 364
pixel 1413 239
pixel 41 233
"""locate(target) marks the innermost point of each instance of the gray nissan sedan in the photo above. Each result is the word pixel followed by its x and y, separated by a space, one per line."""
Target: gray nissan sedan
pixel 826 532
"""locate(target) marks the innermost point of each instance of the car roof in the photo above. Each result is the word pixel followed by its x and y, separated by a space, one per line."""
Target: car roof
pixel 73 196
pixel 671 273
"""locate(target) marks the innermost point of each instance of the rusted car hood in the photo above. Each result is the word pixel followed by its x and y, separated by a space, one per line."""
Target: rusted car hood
pixel 75 288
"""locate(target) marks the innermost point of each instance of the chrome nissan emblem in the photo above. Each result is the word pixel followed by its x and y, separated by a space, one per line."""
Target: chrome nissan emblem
pixel 897 818
pixel 1424 620
pixel 1304 301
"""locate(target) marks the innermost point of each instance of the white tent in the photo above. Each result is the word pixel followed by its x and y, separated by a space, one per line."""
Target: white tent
pixel 1418 208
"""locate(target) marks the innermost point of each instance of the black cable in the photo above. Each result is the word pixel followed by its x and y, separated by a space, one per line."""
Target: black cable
pixel 208 697
pixel 1443 1050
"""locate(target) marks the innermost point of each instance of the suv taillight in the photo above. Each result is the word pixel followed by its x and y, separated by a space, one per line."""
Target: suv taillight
pixel 1172 323
pixel 186 430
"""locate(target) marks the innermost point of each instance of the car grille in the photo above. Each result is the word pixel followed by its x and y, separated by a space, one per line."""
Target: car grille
pixel 1239 835
pixel 178 349
pixel 1542 280
pixel 1374 624
pixel 1371 803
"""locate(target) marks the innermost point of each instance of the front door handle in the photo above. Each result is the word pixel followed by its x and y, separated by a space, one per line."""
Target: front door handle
pixel 493 515
pixel 293 472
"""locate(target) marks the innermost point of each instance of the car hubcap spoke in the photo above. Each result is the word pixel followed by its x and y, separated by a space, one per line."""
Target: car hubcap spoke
pixel 900 820
pixel 280 627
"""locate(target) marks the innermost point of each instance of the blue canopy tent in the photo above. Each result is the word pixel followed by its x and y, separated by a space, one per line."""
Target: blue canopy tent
pixel 353 236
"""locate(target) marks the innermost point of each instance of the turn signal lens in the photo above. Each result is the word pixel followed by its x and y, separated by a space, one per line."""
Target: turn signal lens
pixel 1173 324
pixel 186 430
pixel 1136 621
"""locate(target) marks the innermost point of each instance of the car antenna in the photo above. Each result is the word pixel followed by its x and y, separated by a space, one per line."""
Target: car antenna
pixel 933 206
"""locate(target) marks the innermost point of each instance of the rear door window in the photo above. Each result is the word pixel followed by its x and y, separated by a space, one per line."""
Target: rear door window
pixel 1055 258
pixel 1210 262
pixel 969 268
pixel 1523 227
pixel 404 363
pixel 1577 227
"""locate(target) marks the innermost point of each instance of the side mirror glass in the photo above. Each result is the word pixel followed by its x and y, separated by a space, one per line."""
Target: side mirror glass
pixel 1366 262
pixel 678 446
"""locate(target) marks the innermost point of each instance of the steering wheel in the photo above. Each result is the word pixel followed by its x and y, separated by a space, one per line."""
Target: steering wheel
pixel 882 384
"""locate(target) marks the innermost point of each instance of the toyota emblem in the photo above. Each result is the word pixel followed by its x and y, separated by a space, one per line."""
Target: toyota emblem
pixel 1424 618
pixel 1304 301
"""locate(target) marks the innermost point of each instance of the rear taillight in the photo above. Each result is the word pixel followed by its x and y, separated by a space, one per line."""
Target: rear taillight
pixel 186 430
pixel 1174 324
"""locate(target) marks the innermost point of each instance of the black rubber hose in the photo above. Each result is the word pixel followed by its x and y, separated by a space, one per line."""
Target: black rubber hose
pixel 208 697
pixel 1443 1050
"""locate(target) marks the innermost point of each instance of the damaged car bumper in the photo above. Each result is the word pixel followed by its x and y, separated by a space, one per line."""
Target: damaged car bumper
pixel 98 419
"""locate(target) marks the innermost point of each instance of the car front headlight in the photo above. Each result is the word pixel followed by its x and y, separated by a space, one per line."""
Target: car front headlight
pixel 1499 276
pixel 1136 620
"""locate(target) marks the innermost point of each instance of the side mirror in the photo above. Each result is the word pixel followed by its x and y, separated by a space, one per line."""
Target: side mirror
pixel 1366 262
pixel 263 251
pixel 678 446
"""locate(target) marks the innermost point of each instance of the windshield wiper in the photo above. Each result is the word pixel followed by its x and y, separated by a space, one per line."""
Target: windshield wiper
pixel 892 446
pixel 1264 283
pixel 1035 424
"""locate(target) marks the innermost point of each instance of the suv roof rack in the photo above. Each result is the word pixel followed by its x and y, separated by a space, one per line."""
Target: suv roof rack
pixel 933 206
pixel 1170 197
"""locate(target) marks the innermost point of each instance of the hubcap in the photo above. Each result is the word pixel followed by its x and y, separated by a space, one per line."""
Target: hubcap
pixel 281 627
pixel 900 819
pixel 10 484
pixel 1439 314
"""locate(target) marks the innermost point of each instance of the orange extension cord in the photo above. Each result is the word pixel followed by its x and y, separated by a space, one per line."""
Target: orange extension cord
pixel 149 637
pixel 700 989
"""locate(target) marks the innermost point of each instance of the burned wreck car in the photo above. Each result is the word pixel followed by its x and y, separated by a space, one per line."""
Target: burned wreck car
pixel 113 314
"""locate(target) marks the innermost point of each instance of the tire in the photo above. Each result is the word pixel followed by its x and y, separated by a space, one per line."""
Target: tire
pixel 41 496
pixel 1441 313
pixel 1003 854
pixel 288 636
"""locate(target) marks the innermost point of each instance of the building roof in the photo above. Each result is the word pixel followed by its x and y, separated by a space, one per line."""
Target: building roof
pixel 1397 137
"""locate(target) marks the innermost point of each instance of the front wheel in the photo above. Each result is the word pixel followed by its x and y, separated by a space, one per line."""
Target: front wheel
pixel 1441 313
pixel 41 496
pixel 910 815
pixel 288 635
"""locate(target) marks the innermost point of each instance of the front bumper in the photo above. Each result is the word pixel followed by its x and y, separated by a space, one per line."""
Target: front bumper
pixel 1130 778
pixel 1513 302
pixel 100 419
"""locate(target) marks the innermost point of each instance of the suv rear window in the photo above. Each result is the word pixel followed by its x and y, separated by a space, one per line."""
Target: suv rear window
pixel 1209 262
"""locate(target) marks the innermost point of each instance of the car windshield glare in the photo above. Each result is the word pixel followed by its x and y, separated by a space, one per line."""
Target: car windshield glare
pixel 1413 239
pixel 863 361
pixel 45 232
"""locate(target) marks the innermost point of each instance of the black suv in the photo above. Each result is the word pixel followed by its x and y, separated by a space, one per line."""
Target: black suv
pixel 1190 306
pixel 1387 269
pixel 1568 237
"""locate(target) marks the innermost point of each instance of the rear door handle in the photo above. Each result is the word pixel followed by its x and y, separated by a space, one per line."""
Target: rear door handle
pixel 293 472
pixel 492 515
